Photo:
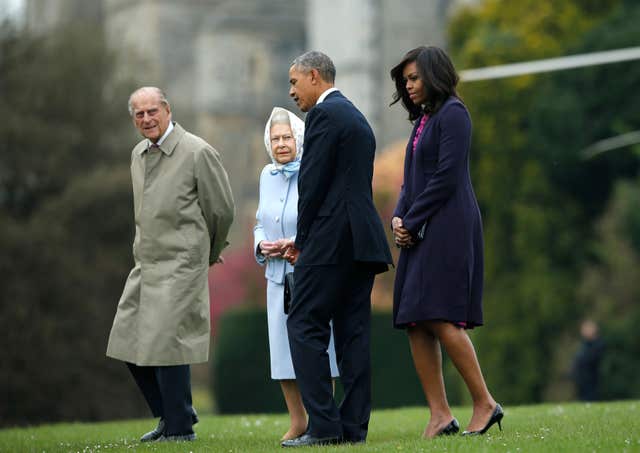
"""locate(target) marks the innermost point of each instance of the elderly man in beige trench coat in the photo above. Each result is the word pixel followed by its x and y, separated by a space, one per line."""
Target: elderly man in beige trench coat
pixel 183 211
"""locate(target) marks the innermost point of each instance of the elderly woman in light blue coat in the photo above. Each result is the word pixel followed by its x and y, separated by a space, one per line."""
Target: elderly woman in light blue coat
pixel 276 221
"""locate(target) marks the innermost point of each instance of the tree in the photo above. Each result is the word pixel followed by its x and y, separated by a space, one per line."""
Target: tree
pixel 62 113
pixel 575 109
pixel 63 272
pixel 609 290
pixel 532 248
pixel 65 226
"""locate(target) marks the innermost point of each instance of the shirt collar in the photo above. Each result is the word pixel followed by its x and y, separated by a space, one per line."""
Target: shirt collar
pixel 163 138
pixel 326 93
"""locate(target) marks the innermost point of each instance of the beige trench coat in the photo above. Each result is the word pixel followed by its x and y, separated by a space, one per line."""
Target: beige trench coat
pixel 183 211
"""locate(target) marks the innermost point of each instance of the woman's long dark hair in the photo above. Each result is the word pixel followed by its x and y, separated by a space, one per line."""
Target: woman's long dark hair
pixel 437 74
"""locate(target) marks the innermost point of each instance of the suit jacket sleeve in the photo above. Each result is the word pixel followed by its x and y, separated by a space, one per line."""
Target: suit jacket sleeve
pixel 316 170
pixel 455 138
pixel 215 198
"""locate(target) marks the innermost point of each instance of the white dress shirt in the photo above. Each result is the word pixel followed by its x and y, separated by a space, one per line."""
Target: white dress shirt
pixel 165 135
pixel 326 93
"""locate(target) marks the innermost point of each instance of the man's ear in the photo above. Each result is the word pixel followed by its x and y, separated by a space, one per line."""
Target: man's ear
pixel 315 76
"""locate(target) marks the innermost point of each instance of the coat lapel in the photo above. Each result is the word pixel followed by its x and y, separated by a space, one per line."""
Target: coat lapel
pixel 173 139
pixel 408 157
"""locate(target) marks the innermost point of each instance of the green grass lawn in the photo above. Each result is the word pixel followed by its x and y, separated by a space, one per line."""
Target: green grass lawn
pixel 607 427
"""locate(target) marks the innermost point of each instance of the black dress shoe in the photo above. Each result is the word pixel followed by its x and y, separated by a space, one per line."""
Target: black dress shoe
pixel 452 428
pixel 307 440
pixel 345 440
pixel 496 417
pixel 177 438
pixel 155 434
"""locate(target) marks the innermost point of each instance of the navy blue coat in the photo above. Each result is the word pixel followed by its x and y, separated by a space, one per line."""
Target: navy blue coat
pixel 337 219
pixel 440 277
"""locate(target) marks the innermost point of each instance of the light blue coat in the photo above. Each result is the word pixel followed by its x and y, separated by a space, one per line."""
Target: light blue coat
pixel 276 218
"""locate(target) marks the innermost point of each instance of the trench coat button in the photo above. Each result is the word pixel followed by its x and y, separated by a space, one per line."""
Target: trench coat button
pixel 281 198
pixel 277 219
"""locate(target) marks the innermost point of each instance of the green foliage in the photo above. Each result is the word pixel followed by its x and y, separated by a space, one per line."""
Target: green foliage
pixel 543 428
pixel 610 289
pixel 61 112
pixel 631 220
pixel 65 227
pixel 575 109
pixel 63 273
pixel 579 107
pixel 620 368
pixel 241 377
pixel 535 225
pixel 240 373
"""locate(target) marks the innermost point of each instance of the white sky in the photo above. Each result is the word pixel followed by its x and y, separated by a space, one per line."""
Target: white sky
pixel 11 9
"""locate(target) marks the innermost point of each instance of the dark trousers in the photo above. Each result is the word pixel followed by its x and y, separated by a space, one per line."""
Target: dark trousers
pixel 167 390
pixel 341 293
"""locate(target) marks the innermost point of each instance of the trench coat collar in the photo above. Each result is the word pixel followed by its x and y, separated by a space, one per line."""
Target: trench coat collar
pixel 172 140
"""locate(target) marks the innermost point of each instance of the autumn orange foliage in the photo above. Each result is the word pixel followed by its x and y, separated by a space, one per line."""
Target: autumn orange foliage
pixel 387 179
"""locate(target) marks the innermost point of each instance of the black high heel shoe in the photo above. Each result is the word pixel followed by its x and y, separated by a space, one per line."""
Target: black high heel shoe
pixel 496 417
pixel 450 429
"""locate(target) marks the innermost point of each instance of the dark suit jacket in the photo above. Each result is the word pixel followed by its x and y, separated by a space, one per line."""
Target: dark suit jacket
pixel 337 220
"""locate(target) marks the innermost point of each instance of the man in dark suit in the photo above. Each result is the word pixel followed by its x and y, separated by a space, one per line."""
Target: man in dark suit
pixel 339 247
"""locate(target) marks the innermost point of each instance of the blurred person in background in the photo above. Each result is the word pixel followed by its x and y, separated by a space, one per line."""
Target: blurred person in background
pixel 339 248
pixel 183 210
pixel 275 230
pixel 586 363
pixel 437 224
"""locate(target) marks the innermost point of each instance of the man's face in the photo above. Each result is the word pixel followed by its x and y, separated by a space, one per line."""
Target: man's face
pixel 303 88
pixel 150 116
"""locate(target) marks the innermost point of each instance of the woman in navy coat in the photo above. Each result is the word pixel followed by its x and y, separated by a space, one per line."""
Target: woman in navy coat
pixel 437 223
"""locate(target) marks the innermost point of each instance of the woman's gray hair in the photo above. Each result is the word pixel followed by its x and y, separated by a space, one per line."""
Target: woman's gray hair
pixel 156 90
pixel 283 116
pixel 279 116
pixel 318 61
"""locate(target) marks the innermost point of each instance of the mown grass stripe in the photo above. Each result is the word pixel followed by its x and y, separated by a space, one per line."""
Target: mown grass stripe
pixel 567 427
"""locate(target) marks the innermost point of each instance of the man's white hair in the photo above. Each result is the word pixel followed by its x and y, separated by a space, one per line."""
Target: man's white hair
pixel 155 90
